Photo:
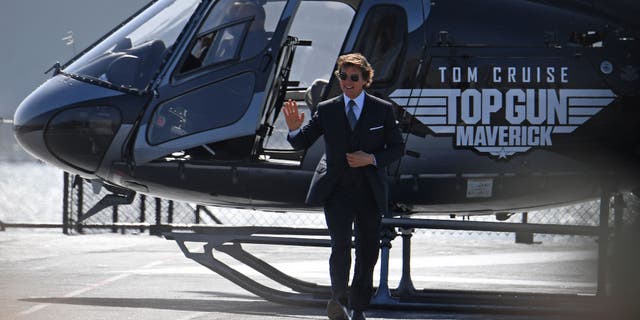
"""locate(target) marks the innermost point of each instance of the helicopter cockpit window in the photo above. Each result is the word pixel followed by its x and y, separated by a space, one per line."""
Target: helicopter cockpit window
pixel 383 41
pixel 234 29
pixel 131 56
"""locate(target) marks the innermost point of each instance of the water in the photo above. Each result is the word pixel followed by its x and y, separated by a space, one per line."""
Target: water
pixel 30 192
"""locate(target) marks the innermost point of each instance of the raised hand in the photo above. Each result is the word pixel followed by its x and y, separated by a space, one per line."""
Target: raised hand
pixel 292 116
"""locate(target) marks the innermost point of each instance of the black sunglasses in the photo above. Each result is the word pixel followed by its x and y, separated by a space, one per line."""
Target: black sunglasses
pixel 353 77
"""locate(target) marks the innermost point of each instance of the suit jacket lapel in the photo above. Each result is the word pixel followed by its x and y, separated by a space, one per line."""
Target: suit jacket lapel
pixel 365 115
pixel 340 115
pixel 341 124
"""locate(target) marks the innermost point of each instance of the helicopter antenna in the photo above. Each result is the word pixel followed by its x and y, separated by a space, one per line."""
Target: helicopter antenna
pixel 69 41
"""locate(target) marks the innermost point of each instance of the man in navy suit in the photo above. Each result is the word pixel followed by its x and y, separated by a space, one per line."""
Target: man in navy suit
pixel 361 138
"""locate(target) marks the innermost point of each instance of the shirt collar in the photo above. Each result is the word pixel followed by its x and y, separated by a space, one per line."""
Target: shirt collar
pixel 359 100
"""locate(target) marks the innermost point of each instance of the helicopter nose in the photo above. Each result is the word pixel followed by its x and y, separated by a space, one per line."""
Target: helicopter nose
pixel 64 128
pixel 28 128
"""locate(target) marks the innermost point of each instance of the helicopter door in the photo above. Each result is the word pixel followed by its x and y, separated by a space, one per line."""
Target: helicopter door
pixel 383 41
pixel 213 93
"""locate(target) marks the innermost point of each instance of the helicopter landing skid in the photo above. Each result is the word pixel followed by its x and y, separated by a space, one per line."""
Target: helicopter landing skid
pixel 229 240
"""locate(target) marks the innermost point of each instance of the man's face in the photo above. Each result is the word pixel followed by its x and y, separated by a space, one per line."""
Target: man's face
pixel 351 88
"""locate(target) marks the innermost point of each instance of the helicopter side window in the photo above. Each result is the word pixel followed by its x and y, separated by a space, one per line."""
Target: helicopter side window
pixel 234 29
pixel 215 47
pixel 383 41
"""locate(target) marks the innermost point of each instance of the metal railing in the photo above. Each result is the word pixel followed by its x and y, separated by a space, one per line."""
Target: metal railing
pixel 144 213
pixel 147 213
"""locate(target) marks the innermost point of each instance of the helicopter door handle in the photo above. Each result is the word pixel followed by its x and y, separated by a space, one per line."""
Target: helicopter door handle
pixel 266 61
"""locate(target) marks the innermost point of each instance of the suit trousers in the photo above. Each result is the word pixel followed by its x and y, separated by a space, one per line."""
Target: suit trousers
pixel 353 203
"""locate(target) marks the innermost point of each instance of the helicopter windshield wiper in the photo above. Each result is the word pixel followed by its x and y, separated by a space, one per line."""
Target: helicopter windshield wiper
pixel 93 80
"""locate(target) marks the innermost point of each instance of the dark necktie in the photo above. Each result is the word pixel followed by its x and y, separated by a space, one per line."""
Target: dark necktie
pixel 351 115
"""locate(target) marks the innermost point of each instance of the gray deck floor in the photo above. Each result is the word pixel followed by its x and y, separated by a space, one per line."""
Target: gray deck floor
pixel 46 275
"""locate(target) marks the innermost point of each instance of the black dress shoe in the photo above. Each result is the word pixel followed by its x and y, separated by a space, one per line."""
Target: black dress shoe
pixel 336 311
pixel 358 315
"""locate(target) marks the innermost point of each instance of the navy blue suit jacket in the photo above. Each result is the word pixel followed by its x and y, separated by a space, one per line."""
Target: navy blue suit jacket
pixel 377 132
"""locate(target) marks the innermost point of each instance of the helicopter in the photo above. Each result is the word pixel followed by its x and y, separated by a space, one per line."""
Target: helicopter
pixel 504 106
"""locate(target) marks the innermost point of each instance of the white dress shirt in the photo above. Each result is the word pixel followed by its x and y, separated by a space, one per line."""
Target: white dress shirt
pixel 357 109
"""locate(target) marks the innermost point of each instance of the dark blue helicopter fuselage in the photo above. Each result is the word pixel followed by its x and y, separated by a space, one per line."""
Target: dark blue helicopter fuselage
pixel 504 105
